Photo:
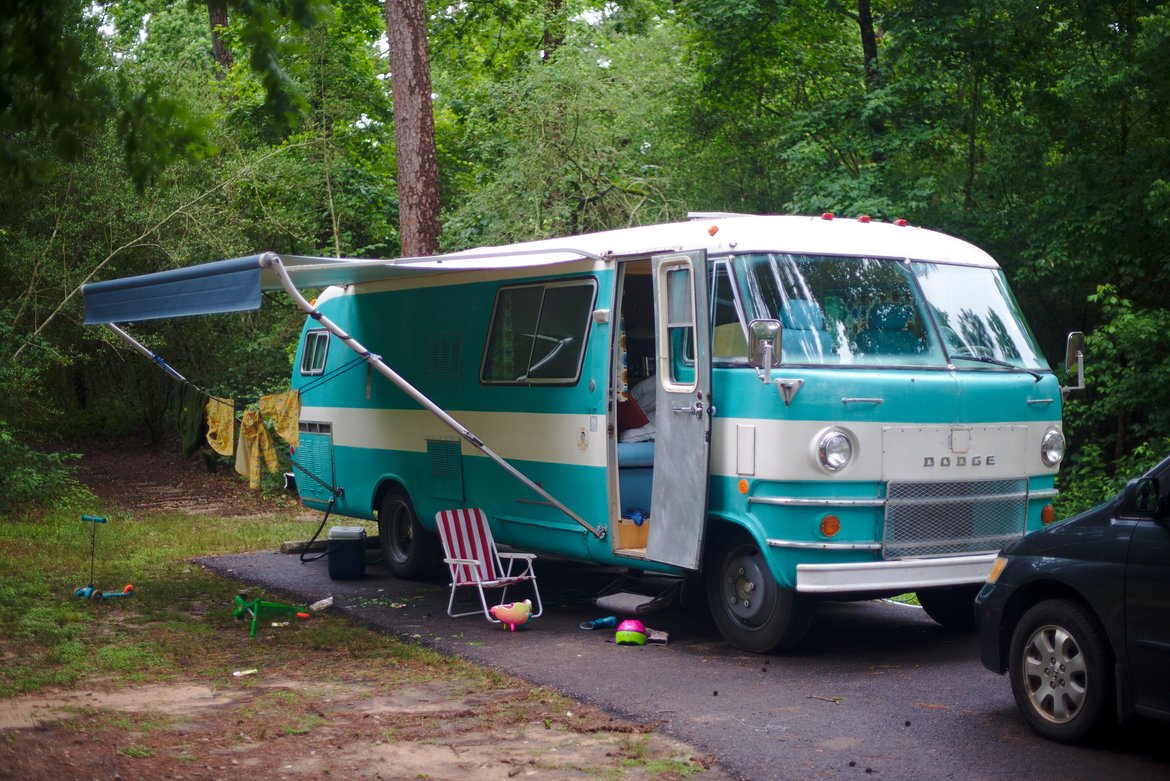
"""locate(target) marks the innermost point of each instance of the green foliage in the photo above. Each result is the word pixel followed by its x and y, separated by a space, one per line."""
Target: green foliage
pixel 577 144
pixel 60 83
pixel 30 478
pixel 1123 418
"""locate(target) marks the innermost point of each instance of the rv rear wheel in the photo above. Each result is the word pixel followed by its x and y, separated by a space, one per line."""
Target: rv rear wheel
pixel 752 610
pixel 411 552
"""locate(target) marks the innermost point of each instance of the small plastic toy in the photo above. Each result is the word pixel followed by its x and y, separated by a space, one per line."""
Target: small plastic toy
pixel 513 614
pixel 256 607
pixel 600 623
pixel 630 632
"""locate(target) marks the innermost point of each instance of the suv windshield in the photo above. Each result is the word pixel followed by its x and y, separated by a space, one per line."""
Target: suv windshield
pixel 872 312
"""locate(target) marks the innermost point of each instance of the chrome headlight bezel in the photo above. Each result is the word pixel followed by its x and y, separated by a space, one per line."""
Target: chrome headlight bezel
pixel 834 450
pixel 1052 447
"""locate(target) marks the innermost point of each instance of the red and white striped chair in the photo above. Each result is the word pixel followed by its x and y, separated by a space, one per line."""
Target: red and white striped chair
pixel 475 563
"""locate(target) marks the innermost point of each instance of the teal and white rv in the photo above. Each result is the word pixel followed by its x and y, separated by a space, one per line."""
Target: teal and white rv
pixel 783 408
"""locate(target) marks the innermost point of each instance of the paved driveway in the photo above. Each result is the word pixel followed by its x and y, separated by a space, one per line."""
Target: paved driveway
pixel 876 691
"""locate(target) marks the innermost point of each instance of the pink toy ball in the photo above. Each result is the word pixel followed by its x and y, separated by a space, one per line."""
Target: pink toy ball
pixel 630 632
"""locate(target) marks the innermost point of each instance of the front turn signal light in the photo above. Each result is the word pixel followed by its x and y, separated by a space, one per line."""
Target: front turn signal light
pixel 996 569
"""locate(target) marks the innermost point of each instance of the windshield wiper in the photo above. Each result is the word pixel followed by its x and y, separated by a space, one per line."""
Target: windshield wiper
pixel 997 362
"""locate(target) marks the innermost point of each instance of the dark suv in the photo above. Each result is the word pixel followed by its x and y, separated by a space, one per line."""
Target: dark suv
pixel 1078 614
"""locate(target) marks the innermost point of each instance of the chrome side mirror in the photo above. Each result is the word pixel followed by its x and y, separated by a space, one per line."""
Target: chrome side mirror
pixel 764 344
pixel 1074 360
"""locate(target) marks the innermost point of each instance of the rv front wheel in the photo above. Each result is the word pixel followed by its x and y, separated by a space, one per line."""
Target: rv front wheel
pixel 411 552
pixel 748 606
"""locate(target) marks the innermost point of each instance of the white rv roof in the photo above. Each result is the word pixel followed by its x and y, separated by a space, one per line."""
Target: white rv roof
pixel 721 234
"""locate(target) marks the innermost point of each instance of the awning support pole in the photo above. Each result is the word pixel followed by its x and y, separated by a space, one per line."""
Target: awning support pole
pixel 272 261
pixel 146 351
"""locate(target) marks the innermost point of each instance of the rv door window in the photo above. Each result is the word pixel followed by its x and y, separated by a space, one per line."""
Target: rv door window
pixel 538 333
pixel 316 347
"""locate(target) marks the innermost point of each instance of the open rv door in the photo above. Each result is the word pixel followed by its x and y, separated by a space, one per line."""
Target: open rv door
pixel 237 285
pixel 682 447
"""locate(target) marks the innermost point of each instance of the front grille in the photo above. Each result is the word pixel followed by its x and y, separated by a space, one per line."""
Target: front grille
pixel 945 519
pixel 315 427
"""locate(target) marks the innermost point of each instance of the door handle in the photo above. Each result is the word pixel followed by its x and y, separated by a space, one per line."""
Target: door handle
pixel 695 409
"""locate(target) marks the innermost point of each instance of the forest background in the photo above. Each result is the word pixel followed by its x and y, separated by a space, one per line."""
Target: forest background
pixel 142 135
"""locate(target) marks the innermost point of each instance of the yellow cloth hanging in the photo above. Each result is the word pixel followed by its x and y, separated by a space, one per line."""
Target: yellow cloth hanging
pixel 221 424
pixel 254 445
pixel 285 411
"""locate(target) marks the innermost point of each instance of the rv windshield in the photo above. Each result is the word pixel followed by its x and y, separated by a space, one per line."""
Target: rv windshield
pixel 871 312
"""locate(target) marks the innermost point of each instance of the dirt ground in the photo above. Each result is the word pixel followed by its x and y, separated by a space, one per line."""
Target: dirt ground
pixel 255 728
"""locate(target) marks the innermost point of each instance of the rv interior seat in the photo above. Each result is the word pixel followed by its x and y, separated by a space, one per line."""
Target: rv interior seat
pixel 887 333
pixel 804 329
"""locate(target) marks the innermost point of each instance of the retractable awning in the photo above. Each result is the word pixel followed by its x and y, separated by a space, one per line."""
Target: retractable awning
pixel 236 285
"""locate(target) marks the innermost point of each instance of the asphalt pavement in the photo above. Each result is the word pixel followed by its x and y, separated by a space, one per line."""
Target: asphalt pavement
pixel 877 690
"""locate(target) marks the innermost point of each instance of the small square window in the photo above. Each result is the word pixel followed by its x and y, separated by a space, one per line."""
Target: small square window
pixel 316 347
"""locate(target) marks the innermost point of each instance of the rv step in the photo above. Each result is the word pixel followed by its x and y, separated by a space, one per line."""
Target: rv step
pixel 629 594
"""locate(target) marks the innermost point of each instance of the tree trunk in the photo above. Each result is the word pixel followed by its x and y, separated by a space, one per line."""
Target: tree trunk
pixel 554 29
pixel 218 17
pixel 869 44
pixel 414 127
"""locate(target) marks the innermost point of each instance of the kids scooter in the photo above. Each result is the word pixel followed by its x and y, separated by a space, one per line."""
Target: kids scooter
pixel 88 591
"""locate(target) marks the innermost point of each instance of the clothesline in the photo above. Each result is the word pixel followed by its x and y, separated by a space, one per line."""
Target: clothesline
pixel 208 419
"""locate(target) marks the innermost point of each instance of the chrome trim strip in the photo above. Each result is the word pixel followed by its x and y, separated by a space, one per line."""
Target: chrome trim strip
pixel 1050 493
pixel 1041 401
pixel 824 545
pixel 782 502
pixel 972 499
pixel 850 400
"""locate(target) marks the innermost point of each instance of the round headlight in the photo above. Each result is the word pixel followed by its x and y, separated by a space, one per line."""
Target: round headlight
pixel 834 450
pixel 1052 448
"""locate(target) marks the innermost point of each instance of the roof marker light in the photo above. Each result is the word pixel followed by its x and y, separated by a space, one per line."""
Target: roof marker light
pixel 901 223
pixel 827 216
pixel 711 231
pixel 864 218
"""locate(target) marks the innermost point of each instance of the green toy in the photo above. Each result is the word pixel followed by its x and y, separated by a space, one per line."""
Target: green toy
pixel 256 607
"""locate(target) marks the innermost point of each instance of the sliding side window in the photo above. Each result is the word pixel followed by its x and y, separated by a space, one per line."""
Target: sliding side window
pixel 316 347
pixel 538 333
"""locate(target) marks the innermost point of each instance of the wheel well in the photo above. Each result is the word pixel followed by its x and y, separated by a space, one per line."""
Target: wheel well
pixel 720 529
pixel 1034 593
pixel 385 487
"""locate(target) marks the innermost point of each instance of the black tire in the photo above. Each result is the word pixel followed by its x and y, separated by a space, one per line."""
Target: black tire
pixel 410 551
pixel 1059 664
pixel 952 606
pixel 752 611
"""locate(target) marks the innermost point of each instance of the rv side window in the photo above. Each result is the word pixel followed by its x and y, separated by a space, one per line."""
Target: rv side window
pixel 538 333
pixel 316 346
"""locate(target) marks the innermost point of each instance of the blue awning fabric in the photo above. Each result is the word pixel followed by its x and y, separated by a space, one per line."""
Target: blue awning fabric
pixel 236 285
pixel 210 288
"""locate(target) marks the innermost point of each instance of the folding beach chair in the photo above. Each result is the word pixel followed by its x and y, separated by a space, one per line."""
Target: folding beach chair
pixel 474 562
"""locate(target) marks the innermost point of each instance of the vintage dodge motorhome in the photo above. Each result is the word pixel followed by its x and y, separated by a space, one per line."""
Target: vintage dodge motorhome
pixel 788 408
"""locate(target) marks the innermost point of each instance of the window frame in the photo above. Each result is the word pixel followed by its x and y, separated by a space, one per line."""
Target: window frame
pixel 312 338
pixel 544 286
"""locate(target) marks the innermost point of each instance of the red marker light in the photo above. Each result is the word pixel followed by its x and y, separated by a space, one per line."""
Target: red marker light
pixel 901 223
pixel 827 216
pixel 864 218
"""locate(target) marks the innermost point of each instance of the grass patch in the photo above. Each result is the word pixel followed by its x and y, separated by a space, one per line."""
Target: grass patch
pixel 179 621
